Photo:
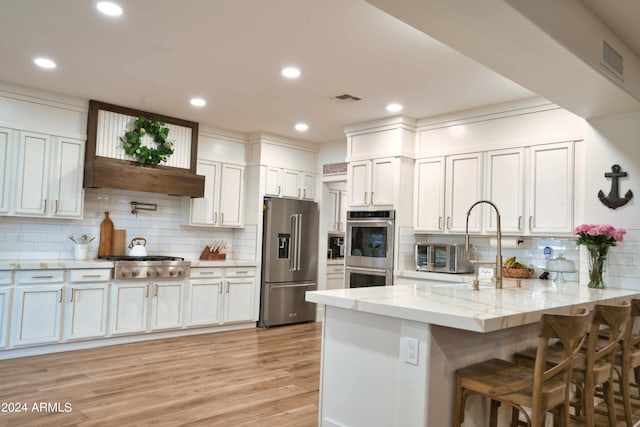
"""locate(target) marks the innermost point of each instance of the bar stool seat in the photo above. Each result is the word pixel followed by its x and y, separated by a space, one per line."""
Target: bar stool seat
pixel 542 388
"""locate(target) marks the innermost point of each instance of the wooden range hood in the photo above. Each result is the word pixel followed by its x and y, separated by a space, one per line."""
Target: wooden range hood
pixel 106 172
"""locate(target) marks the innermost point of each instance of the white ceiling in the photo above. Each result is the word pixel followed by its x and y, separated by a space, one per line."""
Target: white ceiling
pixel 160 53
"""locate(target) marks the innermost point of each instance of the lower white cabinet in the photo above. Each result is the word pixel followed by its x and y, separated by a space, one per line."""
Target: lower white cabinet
pixel 220 295
pixel 335 276
pixel 87 296
pixel 5 299
pixel 139 307
pixel 37 308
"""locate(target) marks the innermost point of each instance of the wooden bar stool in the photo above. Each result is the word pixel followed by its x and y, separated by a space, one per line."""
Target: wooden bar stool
pixel 542 388
pixel 593 366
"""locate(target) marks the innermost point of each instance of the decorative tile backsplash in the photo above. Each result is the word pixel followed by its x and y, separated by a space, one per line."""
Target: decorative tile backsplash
pixel 37 238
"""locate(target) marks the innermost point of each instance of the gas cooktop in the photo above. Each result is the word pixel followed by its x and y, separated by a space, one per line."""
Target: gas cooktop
pixel 141 258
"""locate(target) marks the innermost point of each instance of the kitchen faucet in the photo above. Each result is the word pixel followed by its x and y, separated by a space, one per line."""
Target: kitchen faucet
pixel 498 262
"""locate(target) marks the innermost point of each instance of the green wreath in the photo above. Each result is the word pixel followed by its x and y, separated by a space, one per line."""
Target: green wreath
pixel 147 156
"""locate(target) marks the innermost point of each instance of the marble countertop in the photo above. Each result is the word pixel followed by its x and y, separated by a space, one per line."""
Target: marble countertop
pixel 57 264
pixel 457 305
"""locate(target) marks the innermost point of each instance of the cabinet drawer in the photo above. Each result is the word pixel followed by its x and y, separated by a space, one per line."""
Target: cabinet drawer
pixel 40 276
pixel 241 272
pixel 335 269
pixel 90 275
pixel 5 277
pixel 206 273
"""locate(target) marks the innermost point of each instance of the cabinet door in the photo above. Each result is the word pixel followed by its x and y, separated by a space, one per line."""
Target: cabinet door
pixel 6 167
pixel 383 182
pixel 429 195
pixel 464 188
pixel 204 303
pixel 204 209
pixel 505 188
pixel 129 307
pixel 332 210
pixel 32 174
pixel 66 180
pixel 551 188
pixel 308 184
pixel 273 185
pixel 291 184
pixel 231 190
pixel 358 179
pixel 167 304
pixel 342 217
pixel 238 300
pixel 37 314
pixel 86 311
pixel 5 298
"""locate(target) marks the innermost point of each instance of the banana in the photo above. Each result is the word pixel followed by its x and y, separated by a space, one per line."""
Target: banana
pixel 510 262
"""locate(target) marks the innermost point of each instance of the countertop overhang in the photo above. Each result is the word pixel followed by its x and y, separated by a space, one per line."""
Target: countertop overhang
pixel 457 305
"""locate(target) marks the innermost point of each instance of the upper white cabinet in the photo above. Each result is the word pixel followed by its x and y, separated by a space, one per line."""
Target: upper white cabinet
pixel 49 174
pixel 337 209
pixel 372 182
pixel 504 186
pixel 6 163
pixel 550 199
pixel 446 187
pixel 221 205
pixel 289 183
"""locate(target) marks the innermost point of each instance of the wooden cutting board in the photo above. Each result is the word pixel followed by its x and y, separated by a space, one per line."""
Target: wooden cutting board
pixel 119 242
pixel 106 237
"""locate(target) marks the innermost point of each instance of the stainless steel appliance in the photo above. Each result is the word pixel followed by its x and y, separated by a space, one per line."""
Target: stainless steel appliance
pixel 149 267
pixel 356 277
pixel 442 257
pixel 369 254
pixel 370 239
pixel 289 261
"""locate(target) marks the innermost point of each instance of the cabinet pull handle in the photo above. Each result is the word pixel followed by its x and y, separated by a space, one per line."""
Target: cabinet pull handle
pixel 278 190
pixel 221 286
pixel 298 192
pixel 215 217
pixel 71 296
pixel 155 286
pixel 439 223
pixel 146 294
pixel 61 292
pixel 365 198
pixel 205 273
pixel 221 217
pixel 90 276
pixel 448 223
pixel 45 205
pixel 227 287
pixel 242 272
pixel 520 222
pixel 42 277
pixel 530 222
pixel 372 198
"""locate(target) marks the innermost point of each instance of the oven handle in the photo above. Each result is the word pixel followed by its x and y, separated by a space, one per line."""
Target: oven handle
pixel 370 223
pixel 372 271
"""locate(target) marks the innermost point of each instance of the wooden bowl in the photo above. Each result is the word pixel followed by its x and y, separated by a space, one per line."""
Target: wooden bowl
pixel 517 273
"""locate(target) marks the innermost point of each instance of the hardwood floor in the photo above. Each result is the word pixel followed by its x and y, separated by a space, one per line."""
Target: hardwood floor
pixel 266 377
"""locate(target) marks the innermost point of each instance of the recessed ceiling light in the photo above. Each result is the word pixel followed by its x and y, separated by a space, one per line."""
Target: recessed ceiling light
pixel 394 108
pixel 302 127
pixel 290 72
pixel 44 63
pixel 109 8
pixel 198 102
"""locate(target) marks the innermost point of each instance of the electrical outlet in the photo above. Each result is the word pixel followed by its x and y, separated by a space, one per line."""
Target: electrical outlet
pixel 411 350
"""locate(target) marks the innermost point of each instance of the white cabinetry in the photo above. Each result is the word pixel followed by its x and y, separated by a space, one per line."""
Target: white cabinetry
pixel 6 163
pixel 335 276
pixel 222 202
pixel 289 183
pixel 87 304
pixel 49 176
pixel 504 186
pixel 146 306
pixel 6 292
pixel 372 182
pixel 37 314
pixel 446 187
pixel 220 295
pixel 337 211
pixel 550 200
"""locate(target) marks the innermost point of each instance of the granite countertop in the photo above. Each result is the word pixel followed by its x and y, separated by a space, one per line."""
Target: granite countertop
pixel 56 264
pixel 457 305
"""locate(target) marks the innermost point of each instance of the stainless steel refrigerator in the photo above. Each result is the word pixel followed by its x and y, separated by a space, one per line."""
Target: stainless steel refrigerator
pixel 289 261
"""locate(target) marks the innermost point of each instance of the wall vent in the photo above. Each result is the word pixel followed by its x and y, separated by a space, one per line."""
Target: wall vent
pixel 612 59
pixel 345 97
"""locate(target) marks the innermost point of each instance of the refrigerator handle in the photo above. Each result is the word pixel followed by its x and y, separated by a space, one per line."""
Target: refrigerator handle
pixel 293 244
pixel 298 243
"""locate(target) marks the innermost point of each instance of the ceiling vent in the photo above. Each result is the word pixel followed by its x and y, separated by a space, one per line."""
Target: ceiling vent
pixel 346 98
pixel 612 59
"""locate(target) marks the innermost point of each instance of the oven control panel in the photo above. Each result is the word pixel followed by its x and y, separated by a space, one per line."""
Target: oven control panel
pixel 144 270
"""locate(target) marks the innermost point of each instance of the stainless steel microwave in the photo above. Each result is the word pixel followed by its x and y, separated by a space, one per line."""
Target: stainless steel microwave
pixel 442 257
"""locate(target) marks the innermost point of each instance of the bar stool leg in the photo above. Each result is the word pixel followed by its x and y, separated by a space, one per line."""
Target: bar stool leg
pixel 458 406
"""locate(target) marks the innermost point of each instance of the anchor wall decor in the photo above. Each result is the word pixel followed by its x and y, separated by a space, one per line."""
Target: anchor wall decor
pixel 613 199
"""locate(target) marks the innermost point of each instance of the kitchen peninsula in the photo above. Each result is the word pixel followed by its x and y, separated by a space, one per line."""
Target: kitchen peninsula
pixel 389 353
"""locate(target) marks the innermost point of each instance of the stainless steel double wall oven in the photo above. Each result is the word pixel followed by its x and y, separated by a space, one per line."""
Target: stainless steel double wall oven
pixel 369 255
